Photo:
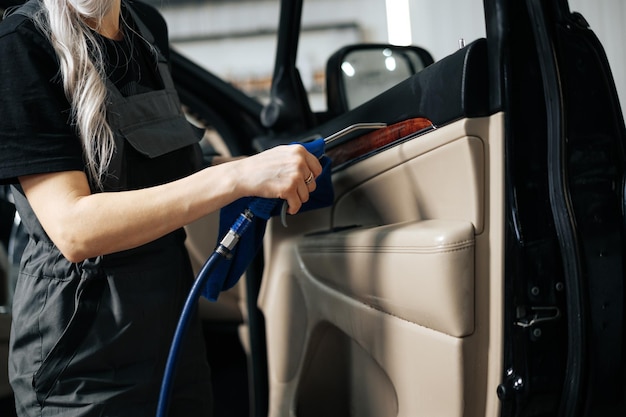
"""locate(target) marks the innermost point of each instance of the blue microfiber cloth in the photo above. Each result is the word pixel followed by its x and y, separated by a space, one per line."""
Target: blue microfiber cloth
pixel 228 271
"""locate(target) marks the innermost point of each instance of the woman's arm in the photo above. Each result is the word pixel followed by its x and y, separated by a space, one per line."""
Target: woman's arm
pixel 83 225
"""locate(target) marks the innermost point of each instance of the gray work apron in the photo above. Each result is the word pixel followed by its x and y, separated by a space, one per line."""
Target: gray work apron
pixel 92 338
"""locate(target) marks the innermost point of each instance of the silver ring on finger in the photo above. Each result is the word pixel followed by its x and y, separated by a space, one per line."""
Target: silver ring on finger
pixel 309 178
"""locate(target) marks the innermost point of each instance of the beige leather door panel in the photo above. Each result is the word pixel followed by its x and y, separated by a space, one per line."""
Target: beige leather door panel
pixel 430 177
pixel 385 304
pixel 421 272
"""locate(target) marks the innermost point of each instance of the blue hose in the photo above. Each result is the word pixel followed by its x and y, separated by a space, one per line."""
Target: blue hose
pixel 179 334
pixel 258 207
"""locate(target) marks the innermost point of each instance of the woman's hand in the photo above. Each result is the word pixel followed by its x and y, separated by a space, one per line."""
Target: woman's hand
pixel 287 172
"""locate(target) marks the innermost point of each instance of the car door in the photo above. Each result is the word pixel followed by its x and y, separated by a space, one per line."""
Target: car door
pixel 378 304
pixel 471 263
pixel 564 288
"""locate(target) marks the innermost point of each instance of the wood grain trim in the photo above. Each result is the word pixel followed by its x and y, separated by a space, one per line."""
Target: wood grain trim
pixel 372 141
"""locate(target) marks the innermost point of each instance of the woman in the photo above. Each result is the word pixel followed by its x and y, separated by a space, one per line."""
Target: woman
pixel 106 173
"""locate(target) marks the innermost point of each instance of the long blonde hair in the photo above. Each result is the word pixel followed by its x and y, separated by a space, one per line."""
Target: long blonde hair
pixel 83 74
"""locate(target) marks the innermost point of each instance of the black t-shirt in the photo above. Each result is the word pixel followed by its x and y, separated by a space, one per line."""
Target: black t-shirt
pixel 131 66
pixel 35 131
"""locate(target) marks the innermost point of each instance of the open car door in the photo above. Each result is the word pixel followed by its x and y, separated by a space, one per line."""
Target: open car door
pixel 471 264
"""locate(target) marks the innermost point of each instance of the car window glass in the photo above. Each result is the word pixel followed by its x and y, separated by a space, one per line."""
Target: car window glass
pixel 399 22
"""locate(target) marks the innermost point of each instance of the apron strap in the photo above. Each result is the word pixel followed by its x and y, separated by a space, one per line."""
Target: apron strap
pixel 144 31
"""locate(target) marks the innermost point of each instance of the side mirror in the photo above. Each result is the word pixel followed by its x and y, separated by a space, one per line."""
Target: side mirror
pixel 357 73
